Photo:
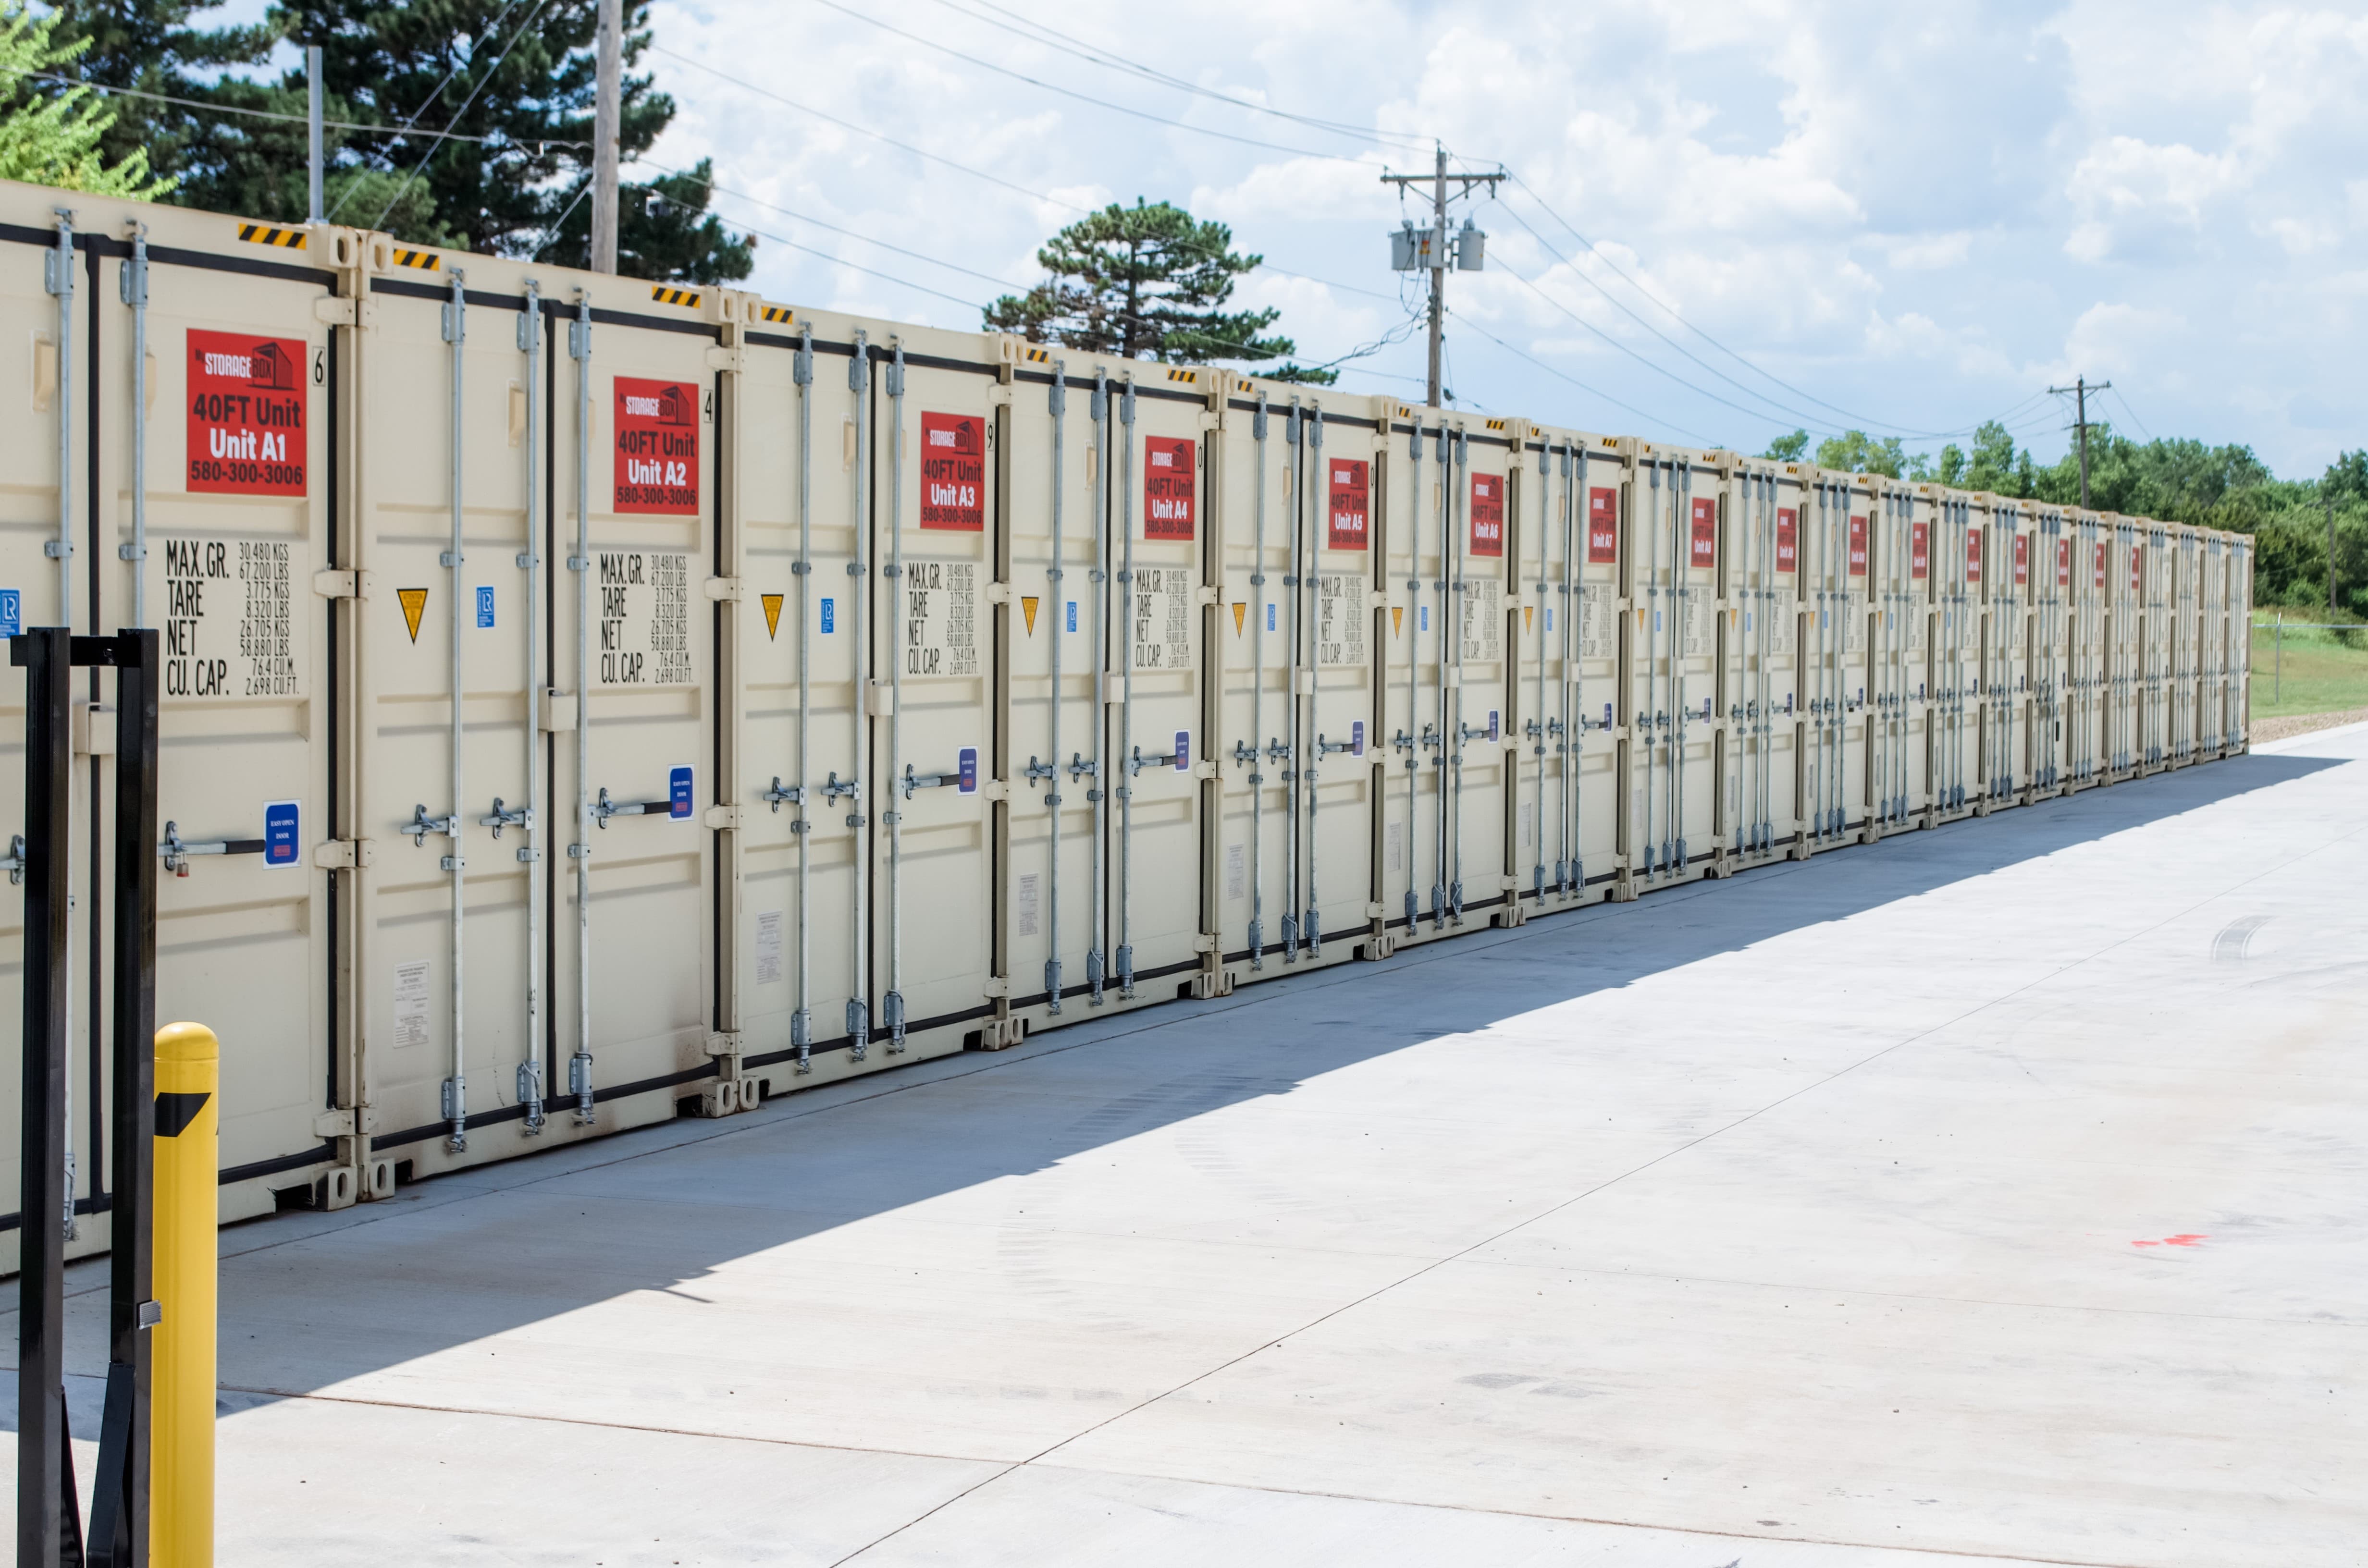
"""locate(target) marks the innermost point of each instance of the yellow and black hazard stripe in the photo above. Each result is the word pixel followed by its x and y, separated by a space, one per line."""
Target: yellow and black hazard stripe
pixel 425 260
pixel 1187 377
pixel 1035 355
pixel 1496 424
pixel 687 297
pixel 272 234
pixel 779 313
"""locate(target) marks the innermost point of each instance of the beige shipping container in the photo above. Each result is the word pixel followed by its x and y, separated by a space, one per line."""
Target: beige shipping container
pixel 1958 559
pixel 1760 569
pixel 1899 587
pixel 1674 667
pixel 2007 702
pixel 177 469
pixel 1567 528
pixel 1835 557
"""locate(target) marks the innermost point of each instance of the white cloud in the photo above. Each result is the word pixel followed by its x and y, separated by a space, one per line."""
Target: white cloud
pixel 1921 214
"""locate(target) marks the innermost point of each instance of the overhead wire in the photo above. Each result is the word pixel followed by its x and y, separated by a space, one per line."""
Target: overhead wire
pixel 380 130
pixel 1084 98
pixel 1037 32
pixel 1574 380
pixel 427 102
pixel 482 82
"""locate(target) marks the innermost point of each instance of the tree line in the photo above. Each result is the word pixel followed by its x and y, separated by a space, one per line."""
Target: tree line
pixel 2177 481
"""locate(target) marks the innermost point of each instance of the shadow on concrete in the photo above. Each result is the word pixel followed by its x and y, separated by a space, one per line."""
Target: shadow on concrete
pixel 309 1300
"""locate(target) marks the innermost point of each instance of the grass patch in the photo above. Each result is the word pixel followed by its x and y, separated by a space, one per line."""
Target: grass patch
pixel 2324 671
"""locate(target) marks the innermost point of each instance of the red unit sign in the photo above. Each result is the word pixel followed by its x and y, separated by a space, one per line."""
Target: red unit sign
pixel 1487 515
pixel 1919 554
pixel 1351 494
pixel 1705 552
pixel 953 473
pixel 2100 563
pixel 2063 563
pixel 2021 560
pixel 1168 480
pixel 1788 539
pixel 657 447
pixel 247 414
pixel 2137 556
pixel 1858 546
pixel 1602 523
pixel 1973 555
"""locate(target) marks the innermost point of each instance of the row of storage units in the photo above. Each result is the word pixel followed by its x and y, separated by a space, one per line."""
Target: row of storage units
pixel 589 700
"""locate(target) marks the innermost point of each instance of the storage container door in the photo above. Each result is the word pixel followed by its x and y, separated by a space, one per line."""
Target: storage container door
pixel 1478 870
pixel 1598 526
pixel 1337 796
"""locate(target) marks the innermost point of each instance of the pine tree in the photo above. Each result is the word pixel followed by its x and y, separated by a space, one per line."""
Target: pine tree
pixel 1147 283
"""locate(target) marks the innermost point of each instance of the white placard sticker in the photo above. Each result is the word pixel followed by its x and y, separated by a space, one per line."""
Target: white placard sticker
pixel 1237 878
pixel 768 947
pixel 1341 620
pixel 1024 903
pixel 226 611
pixel 411 1004
pixel 940 618
pixel 645 618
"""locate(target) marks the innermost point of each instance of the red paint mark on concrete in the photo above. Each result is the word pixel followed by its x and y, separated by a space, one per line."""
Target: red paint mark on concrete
pixel 2184 1238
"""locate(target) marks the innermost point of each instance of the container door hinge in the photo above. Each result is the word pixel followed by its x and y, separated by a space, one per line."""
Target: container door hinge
pixel 336 584
pixel 329 309
pixel 342 853
pixel 725 1043
pixel 338 1123
pixel 722 588
pixel 721 817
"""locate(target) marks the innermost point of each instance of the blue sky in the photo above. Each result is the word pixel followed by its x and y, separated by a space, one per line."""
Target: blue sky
pixel 1903 218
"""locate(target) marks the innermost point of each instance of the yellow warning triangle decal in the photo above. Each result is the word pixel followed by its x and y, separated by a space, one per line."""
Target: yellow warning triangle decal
pixel 772 616
pixel 1528 614
pixel 1241 607
pixel 415 605
pixel 1028 606
pixel 1397 619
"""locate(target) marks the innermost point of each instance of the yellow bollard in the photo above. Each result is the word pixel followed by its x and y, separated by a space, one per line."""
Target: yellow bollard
pixel 181 1411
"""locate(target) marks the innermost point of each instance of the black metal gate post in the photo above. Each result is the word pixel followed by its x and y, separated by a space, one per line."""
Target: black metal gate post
pixel 49 1527
pixel 118 1509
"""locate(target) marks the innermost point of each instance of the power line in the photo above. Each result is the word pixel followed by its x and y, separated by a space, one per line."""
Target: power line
pixel 1037 32
pixel 1574 380
pixel 864 130
pixel 1084 98
pixel 817 222
pixel 426 103
pixel 380 130
pixel 438 139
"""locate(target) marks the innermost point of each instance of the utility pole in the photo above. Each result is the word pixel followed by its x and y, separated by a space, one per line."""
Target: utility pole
pixel 1430 253
pixel 609 84
pixel 2080 388
pixel 312 125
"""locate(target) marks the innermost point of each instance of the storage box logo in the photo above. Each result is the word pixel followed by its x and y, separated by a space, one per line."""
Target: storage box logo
pixel 246 414
pixel 1351 495
pixel 1167 482
pixel 1973 555
pixel 1788 539
pixel 1858 546
pixel 1602 523
pixel 1920 554
pixel 657 447
pixel 953 473
pixel 1705 552
pixel 1487 515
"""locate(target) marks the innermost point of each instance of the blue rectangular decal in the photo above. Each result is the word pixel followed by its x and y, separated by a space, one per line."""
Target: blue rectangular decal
pixel 1422 618
pixel 283 844
pixel 829 617
pixel 1073 615
pixel 12 612
pixel 1357 738
pixel 678 794
pixel 1269 617
pixel 1494 718
pixel 1183 751
pixel 484 608
pixel 1549 618
pixel 1606 715
pixel 966 765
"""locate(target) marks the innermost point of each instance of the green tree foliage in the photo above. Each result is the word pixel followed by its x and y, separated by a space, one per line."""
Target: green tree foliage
pixel 1148 282
pixel 150 47
pixel 497 95
pixel 53 136
pixel 1789 448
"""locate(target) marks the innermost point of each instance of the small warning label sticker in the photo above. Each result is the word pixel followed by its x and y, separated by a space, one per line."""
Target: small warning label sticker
pixel 247 414
pixel 1487 514
pixel 953 473
pixel 1349 496
pixel 1167 486
pixel 657 447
